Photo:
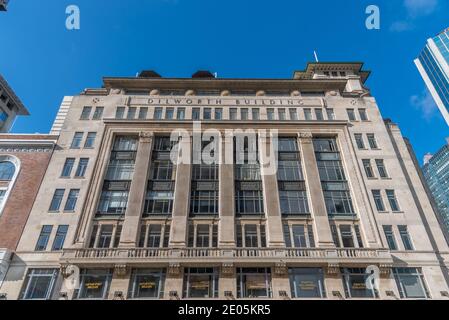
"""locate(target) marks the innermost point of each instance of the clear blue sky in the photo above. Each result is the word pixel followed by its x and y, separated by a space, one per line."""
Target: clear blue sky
pixel 43 61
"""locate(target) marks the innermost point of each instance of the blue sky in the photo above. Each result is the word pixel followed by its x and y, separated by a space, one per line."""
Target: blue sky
pixel 43 61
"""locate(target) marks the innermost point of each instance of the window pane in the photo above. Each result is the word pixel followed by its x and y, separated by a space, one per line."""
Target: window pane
pixel 38 284
pixel 57 199
pixel 61 233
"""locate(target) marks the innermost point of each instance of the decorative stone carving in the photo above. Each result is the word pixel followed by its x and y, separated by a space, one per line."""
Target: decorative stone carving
pixel 333 268
pixel 225 93
pixel 67 270
pixel 190 93
pixel 154 92
pixel 146 137
pixel 227 269
pixel 295 93
pixel 174 269
pixel 385 269
pixel 281 269
pixel 95 100
pixel 305 135
pixel 260 93
pixel 121 270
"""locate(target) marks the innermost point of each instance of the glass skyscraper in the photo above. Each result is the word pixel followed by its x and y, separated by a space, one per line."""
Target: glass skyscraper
pixel 433 64
pixel 436 173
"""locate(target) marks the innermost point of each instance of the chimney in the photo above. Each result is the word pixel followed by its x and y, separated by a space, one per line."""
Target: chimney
pixel 427 158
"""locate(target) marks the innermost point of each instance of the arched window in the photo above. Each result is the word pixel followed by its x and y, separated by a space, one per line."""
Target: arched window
pixel 7 170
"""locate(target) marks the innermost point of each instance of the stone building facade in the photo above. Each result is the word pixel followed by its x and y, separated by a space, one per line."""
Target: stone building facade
pixel 23 163
pixel 116 213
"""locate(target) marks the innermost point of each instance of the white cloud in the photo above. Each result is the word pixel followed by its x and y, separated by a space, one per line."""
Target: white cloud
pixel 425 103
pixel 401 26
pixel 420 7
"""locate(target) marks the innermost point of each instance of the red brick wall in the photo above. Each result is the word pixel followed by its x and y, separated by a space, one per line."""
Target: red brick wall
pixel 20 201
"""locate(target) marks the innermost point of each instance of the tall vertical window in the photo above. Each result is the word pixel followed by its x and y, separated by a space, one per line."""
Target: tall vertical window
pixel 298 236
pixel 330 114
pixel 359 141
pixel 169 113
pixel 71 200
pixel 154 236
pixel 68 166
pixel 181 113
pixel 158 113
pixel 196 114
pixel 293 114
pixel 98 113
pixel 270 114
pixel 114 197
pixel 281 113
pixel 391 195
pixel 381 168
pixel 57 200
pixel 377 196
pixel 61 233
pixel 233 113
pixel 405 237
pixel 255 113
pixel 105 236
pixel 368 168
pixel 120 112
pixel 389 235
pixel 203 235
pixel 347 238
pixel 44 236
pixel 143 112
pixel 333 180
pixel 372 141
pixel 351 114
pixel 354 280
pixel 244 114
pixel 38 284
pixel 161 182
pixel 251 235
pixel 308 114
pixel 132 111
pixel 147 284
pixel 77 139
pixel 411 284
pixel 7 170
pixel 85 114
pixel 218 114
pixel 319 114
pixel 82 167
pixel 363 115
pixel 90 140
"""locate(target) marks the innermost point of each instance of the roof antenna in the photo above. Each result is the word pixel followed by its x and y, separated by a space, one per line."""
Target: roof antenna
pixel 316 56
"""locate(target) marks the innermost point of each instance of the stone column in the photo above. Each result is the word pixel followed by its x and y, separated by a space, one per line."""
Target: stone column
pixel 275 237
pixel 322 230
pixel 226 227
pixel 130 230
pixel 178 235
pixel 118 289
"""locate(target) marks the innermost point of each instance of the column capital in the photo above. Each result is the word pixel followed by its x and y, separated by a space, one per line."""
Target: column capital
pixel 146 136
pixel 305 135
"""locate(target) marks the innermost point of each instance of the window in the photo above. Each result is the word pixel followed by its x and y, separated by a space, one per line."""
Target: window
pixel 255 113
pixel 44 236
pixel 113 202
pixel 154 236
pixel 281 113
pixel 389 235
pixel 196 114
pixel 71 200
pixel 372 141
pixel 61 233
pixel 244 114
pixel 82 167
pixel 270 114
pixel 405 236
pixel 181 113
pixel 203 236
pixel 351 114
pixel 68 166
pixel 308 114
pixel 143 112
pixel 381 168
pixel 411 284
pixel 200 283
pixel 354 280
pixel 105 236
pixel 330 114
pixel 158 113
pixel 77 139
pixel 119 112
pixel 293 202
pixel 204 202
pixel 251 240
pixel 7 170
pixel 85 114
pixel 218 113
pixel 347 238
pixel 57 200
pixel 39 284
pixel 94 284
pixel 233 113
pixel 359 141
pixel 132 111
pixel 307 283
pixel 90 140
pixel 363 115
pixel 293 114
pixel 207 113
pixel 368 168
pixel 98 113
pixel 169 113
pixel 391 195
pixel 250 236
pixel 147 284
pixel 249 202
pixel 378 200
pixel 319 114
pixel 253 283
